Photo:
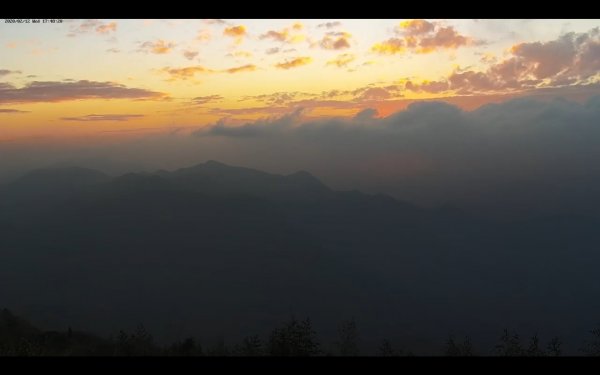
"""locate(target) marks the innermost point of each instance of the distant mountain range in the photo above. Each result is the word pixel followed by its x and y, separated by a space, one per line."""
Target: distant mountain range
pixel 228 251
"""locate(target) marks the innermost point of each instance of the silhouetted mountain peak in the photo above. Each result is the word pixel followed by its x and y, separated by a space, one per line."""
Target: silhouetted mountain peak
pixel 214 163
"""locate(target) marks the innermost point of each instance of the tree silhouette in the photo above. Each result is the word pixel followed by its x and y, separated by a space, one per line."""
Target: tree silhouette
pixel 534 350
pixel 220 349
pixel 185 348
pixel 554 347
pixel 295 338
pixel 592 348
pixel 348 339
pixel 385 349
pixel 509 346
pixel 454 349
pixel 251 346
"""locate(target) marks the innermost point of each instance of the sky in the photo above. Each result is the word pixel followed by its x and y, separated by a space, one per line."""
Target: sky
pixel 490 115
pixel 88 78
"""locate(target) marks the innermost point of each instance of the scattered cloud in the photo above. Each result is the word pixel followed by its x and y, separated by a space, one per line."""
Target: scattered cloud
pixel 391 46
pixel 190 55
pixel 5 72
pixel 113 50
pixel 106 28
pixel 206 99
pixel 240 54
pixel 243 68
pixel 215 21
pixel 298 61
pixel 420 36
pixel 204 35
pixel 57 91
pixel 185 72
pixel 236 32
pixel 92 26
pixel 342 61
pixel 271 51
pixel 286 35
pixel 572 59
pixel 159 47
pixel 12 111
pixel 335 40
pixel 108 117
pixel 330 25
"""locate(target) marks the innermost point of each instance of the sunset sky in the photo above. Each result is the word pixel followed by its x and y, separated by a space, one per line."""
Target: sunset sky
pixel 88 77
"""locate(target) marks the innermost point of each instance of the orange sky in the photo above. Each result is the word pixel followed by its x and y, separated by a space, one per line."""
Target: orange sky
pixel 84 78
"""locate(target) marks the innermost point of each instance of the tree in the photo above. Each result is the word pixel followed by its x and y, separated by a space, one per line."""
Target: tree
pixel 386 349
pixel 295 338
pixel 463 349
pixel 185 348
pixel 592 348
pixel 554 347
pixel 534 350
pixel 220 349
pixel 251 346
pixel 348 339
pixel 509 345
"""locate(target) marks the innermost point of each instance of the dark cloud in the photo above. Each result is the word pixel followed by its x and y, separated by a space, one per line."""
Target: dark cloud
pixel 516 155
pixel 206 99
pixel 13 111
pixel 330 25
pixel 190 55
pixel 107 117
pixel 56 91
pixel 5 72
pixel 572 59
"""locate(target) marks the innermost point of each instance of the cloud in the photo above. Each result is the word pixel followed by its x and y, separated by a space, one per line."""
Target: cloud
pixel 215 21
pixel 5 72
pixel 186 72
pixel 271 51
pixel 243 68
pixel 391 46
pixel 113 50
pixel 106 28
pixel 420 36
pixel 330 25
pixel 286 35
pixel 417 27
pixel 107 117
pixel 572 59
pixel 206 99
pixel 12 111
pixel 190 55
pixel 524 155
pixel 204 35
pixel 341 61
pixel 263 127
pixel 236 32
pixel 335 41
pixel 298 61
pixel 159 47
pixel 518 155
pixel 92 26
pixel 57 91
pixel 240 54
